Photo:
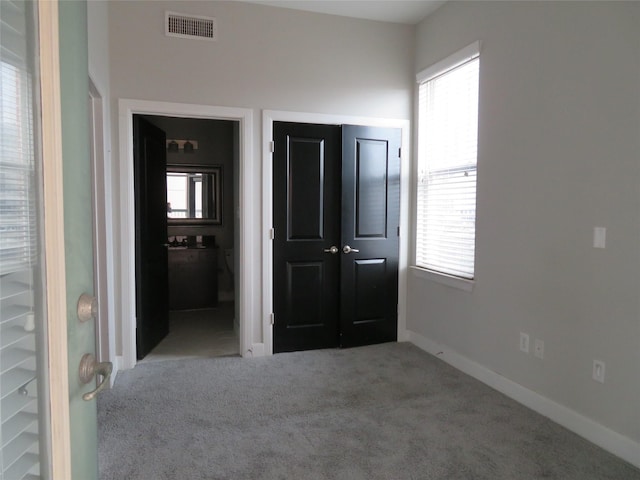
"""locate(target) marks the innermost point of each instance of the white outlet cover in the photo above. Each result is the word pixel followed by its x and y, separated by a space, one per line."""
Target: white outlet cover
pixel 538 348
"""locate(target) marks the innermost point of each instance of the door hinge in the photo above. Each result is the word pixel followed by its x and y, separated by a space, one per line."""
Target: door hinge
pixel 272 318
pixel 400 152
pixel 272 233
pixel 398 230
pixel 272 146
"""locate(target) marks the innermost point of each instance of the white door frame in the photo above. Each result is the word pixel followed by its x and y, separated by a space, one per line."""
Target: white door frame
pixel 270 116
pixel 102 215
pixel 127 108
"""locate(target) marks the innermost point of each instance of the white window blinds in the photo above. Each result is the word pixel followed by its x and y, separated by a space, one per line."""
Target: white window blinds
pixel 446 182
pixel 20 320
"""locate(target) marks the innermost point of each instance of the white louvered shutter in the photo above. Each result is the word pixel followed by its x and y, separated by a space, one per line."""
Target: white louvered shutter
pixel 446 183
pixel 20 317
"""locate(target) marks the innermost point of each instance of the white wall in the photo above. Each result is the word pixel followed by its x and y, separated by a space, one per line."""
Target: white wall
pixel 265 58
pixel 558 146
pixel 98 29
pixel 98 48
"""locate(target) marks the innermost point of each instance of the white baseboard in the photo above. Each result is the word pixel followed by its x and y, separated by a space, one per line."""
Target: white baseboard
pixel 403 335
pixel 117 361
pixel 604 437
pixel 257 350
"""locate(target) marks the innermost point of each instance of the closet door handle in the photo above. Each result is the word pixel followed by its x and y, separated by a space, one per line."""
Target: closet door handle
pixel 348 249
pixel 333 250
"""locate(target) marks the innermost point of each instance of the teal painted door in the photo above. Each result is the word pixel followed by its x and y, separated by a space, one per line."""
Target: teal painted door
pixel 78 228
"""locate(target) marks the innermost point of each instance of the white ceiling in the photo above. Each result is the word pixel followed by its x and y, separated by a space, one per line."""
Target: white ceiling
pixel 396 11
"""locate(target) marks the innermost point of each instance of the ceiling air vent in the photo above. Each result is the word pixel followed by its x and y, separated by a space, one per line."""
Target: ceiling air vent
pixel 190 26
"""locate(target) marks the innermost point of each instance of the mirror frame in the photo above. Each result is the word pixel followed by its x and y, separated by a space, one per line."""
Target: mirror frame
pixel 216 172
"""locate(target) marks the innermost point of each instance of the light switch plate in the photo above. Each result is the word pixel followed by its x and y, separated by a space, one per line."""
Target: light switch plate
pixel 598 371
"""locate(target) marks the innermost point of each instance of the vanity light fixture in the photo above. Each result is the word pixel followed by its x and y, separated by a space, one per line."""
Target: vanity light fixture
pixel 186 146
pixel 172 146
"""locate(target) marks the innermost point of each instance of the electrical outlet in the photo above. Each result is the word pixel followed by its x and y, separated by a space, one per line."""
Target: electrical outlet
pixel 524 342
pixel 538 348
pixel 598 371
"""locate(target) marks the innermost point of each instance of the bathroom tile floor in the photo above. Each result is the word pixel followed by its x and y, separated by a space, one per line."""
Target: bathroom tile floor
pixel 198 333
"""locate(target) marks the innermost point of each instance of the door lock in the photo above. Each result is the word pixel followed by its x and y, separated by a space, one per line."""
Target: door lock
pixel 348 249
pixel 333 250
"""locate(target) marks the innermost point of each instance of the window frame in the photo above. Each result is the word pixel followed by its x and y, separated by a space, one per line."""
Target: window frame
pixel 457 59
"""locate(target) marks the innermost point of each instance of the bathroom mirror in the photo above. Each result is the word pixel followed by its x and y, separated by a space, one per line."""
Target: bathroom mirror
pixel 194 195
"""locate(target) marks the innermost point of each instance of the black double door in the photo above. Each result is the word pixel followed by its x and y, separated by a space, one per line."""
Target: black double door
pixel 336 213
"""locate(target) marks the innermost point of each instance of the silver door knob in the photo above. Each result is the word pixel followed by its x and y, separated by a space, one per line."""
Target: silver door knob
pixel 333 250
pixel 87 307
pixel 348 249
pixel 89 367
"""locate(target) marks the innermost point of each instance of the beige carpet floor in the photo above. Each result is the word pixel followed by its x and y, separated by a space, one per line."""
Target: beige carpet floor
pixel 198 334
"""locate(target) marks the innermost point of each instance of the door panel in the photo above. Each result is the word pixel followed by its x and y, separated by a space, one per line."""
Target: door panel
pixel 371 188
pixel 370 224
pixel 78 228
pixel 304 294
pixel 370 300
pixel 306 223
pixel 152 286
pixel 306 184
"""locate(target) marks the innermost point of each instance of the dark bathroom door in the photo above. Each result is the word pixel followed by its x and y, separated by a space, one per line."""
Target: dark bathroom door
pixel 150 180
pixel 336 208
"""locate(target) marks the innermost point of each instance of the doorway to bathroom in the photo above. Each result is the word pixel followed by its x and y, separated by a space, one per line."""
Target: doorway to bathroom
pixel 185 181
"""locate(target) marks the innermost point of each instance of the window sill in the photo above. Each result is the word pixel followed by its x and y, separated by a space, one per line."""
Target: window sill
pixel 443 279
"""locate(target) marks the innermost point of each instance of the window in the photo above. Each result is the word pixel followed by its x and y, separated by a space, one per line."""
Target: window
pixel 23 405
pixel 447 165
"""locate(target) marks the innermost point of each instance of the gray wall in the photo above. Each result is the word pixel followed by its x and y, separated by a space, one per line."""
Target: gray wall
pixel 265 57
pixel 558 145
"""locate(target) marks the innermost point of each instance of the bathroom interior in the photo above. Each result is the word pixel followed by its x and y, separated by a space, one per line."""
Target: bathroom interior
pixel 201 158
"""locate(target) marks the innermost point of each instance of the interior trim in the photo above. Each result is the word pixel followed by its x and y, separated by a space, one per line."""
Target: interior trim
pixel 126 109
pixel 270 116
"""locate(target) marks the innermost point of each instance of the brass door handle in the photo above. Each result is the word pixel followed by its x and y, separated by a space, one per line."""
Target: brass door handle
pixel 333 250
pixel 89 368
pixel 348 249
